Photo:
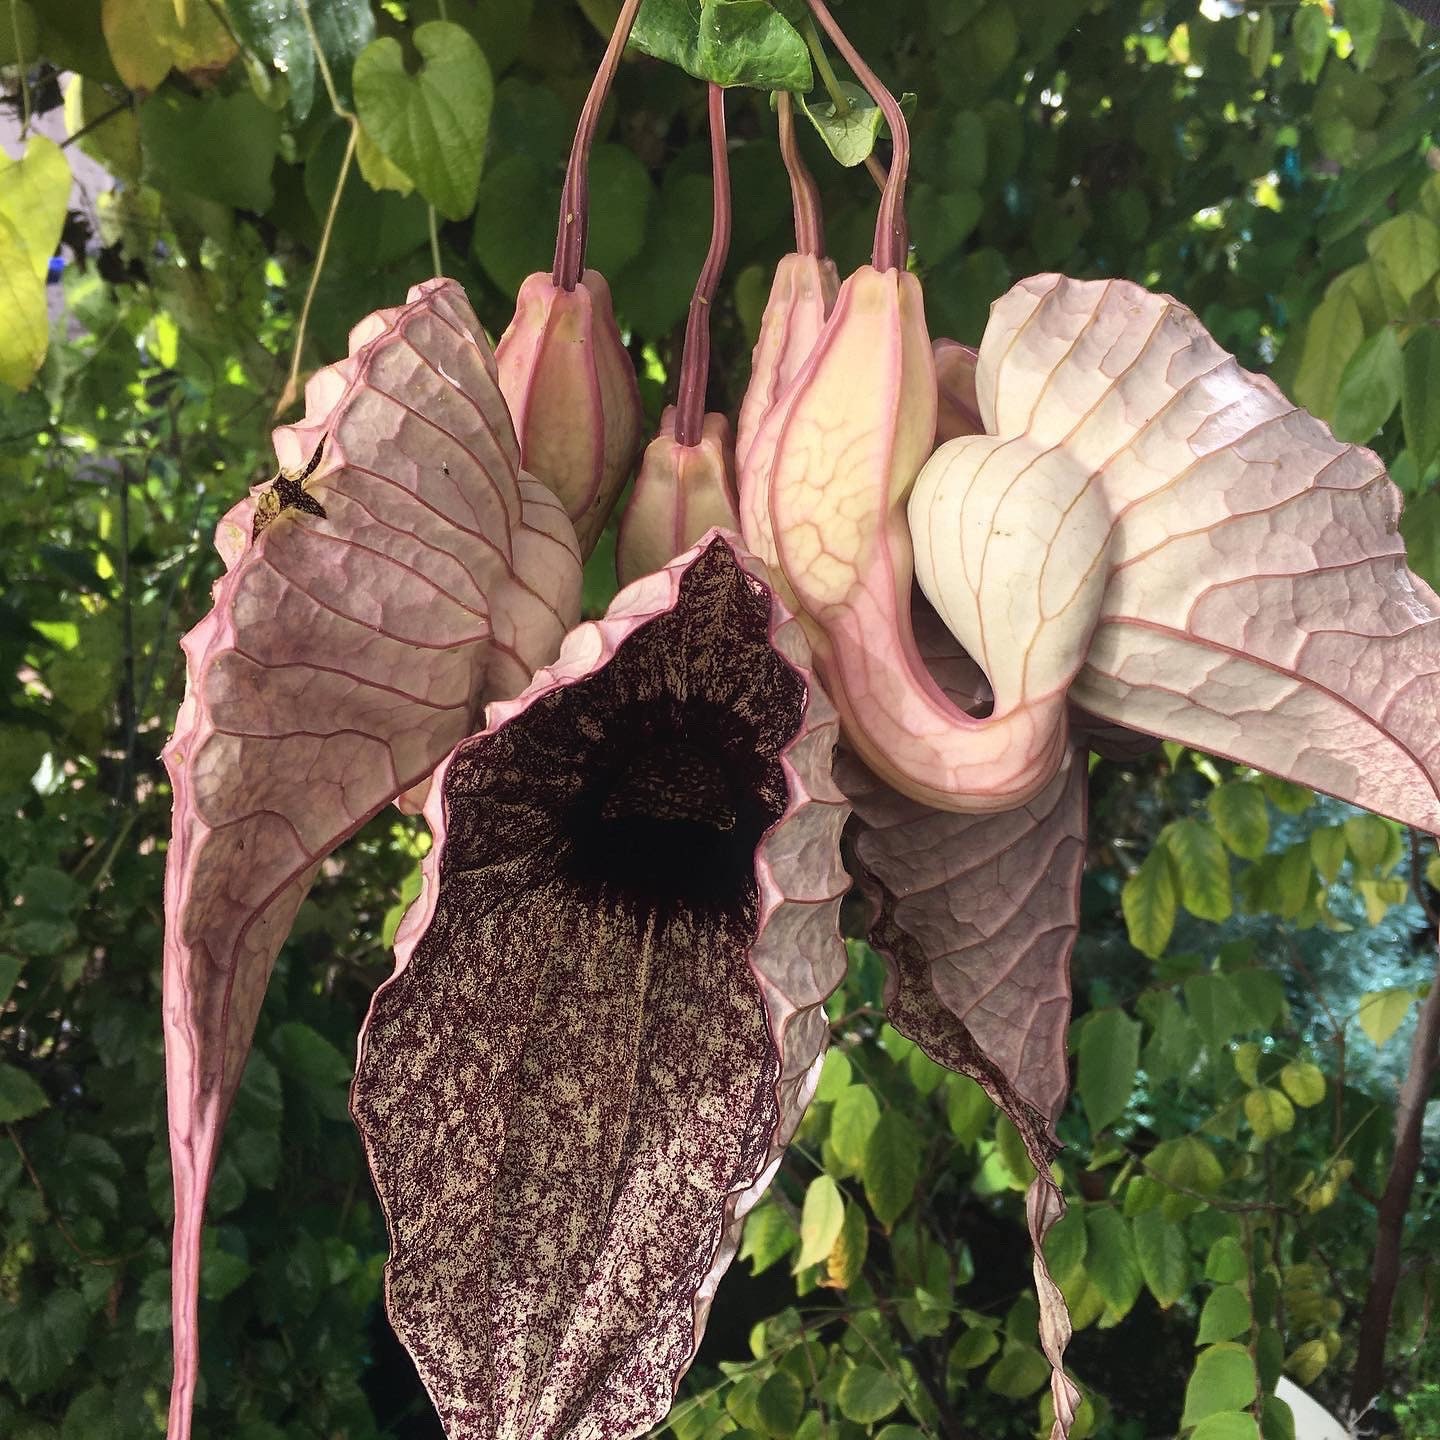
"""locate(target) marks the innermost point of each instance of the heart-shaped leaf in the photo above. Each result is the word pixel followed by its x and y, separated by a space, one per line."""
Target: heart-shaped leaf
pixel 728 42
pixel 433 125
pixel 850 127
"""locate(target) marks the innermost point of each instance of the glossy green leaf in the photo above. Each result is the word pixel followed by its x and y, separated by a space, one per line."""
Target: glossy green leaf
pixel 1109 1055
pixel 432 125
pixel 770 1235
pixel 849 128
pixel 729 42
pixel 277 37
pixel 1110 1259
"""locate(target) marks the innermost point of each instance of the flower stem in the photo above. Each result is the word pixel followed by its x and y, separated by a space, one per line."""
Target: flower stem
pixel 804 193
pixel 575 198
pixel 890 234
pixel 695 363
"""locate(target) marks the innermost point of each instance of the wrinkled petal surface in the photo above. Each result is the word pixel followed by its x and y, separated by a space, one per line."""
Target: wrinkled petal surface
pixel 1165 535
pixel 605 1018
pixel 353 637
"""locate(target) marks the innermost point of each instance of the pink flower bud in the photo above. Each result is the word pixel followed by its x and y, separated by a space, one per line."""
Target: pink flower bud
pixel 681 492
pixel 571 390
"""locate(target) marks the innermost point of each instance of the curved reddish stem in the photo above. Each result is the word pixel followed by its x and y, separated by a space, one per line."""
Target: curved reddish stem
pixel 695 363
pixel 804 193
pixel 890 233
pixel 575 197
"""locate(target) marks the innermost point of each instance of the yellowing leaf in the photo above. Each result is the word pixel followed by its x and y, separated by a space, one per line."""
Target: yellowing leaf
pixel 147 39
pixel 1269 1112
pixel 821 1219
pixel 1148 901
pixel 1303 1082
pixel 1381 1012
pixel 33 192
pixel 1407 249
pixel 847 1255
pixel 1307 1361
pixel 377 169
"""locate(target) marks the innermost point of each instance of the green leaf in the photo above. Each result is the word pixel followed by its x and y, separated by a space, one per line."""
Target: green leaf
pixel 1227 1425
pixel 835 1076
pixel 941 220
pixel 1420 529
pixel 20 1095
pixel 967 1107
pixel 868 1394
pixel 1148 901
pixel 1225 1263
pixel 433 125
pixel 974 1348
pixel 1215 1009
pixel 1303 1082
pixel 1370 388
pixel 39 1342
pixel 780 1405
pixel 1420 396
pixel 621 196
pixel 769 1235
pixel 1407 250
pixel 821 1217
pixel 1164 1256
pixel 1108 1059
pixel 1364 20
pixel 1311 34
pixel 515 216
pixel 852 1122
pixel 1286 795
pixel 850 133
pixel 1336 331
pixel 1226 1315
pixel 728 42
pixel 181 137
pixel 34 192
pixel 1269 1112
pixel 1018 1373
pixel 1382 1011
pixel 1327 850
pixel 892 1167
pixel 1224 1379
pixel 1202 867
pixel 277 37
pixel 1110 1259
pixel 1262 43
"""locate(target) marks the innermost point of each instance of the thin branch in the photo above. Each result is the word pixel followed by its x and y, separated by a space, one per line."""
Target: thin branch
pixel 102 1261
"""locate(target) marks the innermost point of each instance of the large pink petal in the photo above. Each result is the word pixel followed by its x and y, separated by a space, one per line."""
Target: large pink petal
pixel 606 1014
pixel 344 657
pixel 1164 533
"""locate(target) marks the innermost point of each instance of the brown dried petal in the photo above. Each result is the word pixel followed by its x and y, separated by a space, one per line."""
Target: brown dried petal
pixel 605 1018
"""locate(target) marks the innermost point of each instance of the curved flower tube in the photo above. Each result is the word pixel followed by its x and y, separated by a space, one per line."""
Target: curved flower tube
pixel 955 376
pixel 564 370
pixel 373 599
pixel 606 1014
pixel 1165 537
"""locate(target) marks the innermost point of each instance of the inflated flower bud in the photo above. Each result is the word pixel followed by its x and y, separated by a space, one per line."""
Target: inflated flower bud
pixel 681 492
pixel 571 389
pixel 955 375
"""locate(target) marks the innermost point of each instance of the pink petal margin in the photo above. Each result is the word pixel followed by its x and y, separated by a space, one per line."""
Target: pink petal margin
pixel 344 657
pixel 565 1135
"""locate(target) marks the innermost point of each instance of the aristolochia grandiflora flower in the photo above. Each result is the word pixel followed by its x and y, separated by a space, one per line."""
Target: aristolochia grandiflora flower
pixel 367 613
pixel 605 1020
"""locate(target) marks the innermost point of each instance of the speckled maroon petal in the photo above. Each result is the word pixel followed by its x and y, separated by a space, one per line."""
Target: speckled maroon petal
pixel 412 574
pixel 605 1018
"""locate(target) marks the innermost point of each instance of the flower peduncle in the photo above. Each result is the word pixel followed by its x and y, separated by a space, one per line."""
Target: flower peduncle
pixel 575 197
pixel 695 363
pixel 804 193
pixel 891 240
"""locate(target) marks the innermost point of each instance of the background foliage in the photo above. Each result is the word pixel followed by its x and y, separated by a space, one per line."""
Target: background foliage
pixel 1252 956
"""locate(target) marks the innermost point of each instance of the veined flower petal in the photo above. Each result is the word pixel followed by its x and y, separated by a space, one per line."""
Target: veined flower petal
pixel 366 613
